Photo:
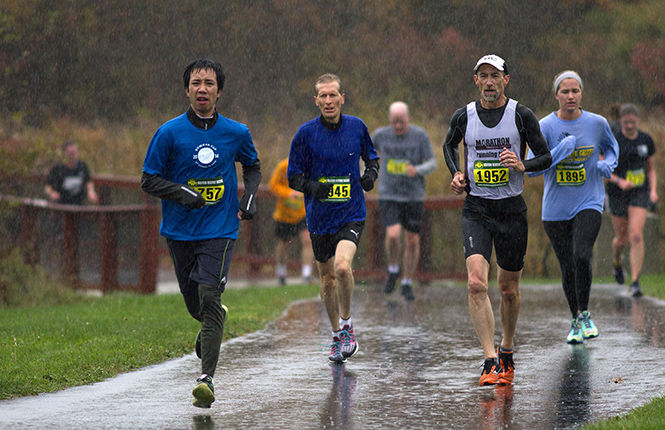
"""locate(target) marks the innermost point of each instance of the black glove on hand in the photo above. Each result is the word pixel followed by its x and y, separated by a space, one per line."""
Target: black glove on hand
pixel 191 198
pixel 247 206
pixel 320 190
pixel 370 174
pixel 367 182
pixel 246 215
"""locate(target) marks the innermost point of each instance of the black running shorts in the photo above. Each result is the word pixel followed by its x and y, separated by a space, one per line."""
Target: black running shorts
pixel 285 231
pixel 201 262
pixel 408 214
pixel 324 245
pixel 501 223
pixel 619 200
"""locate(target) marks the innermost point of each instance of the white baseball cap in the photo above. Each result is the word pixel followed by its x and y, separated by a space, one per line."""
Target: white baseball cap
pixel 493 60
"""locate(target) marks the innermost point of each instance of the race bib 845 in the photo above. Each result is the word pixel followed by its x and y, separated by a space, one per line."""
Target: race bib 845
pixel 341 190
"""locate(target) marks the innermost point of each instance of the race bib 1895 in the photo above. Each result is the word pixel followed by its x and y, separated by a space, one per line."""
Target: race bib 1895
pixel 570 174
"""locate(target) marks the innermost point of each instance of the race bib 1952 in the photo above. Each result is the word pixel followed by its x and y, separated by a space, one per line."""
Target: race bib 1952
pixel 490 174
pixel 341 190
pixel 211 189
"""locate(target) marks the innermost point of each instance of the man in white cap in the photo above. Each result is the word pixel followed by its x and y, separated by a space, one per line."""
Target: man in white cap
pixel 496 131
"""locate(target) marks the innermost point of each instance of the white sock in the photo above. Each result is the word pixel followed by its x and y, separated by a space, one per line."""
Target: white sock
pixel 281 270
pixel 343 322
pixel 306 270
pixel 393 268
pixel 406 281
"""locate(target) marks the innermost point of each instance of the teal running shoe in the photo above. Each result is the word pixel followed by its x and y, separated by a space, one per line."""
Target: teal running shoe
pixel 336 351
pixel 575 335
pixel 348 341
pixel 589 329
pixel 204 392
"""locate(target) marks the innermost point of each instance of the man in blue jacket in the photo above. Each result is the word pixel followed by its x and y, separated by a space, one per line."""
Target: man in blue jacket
pixel 324 164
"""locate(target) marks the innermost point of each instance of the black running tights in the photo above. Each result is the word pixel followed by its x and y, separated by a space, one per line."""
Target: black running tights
pixel 206 306
pixel 572 242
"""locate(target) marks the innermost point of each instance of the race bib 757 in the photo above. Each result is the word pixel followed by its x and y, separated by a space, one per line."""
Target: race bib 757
pixel 211 189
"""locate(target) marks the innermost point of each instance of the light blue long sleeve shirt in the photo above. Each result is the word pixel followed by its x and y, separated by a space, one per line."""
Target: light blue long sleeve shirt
pixel 574 181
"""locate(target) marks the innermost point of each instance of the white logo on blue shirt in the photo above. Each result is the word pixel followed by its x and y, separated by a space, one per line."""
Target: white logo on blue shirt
pixel 205 155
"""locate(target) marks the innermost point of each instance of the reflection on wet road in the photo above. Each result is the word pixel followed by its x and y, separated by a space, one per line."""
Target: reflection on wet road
pixel 417 367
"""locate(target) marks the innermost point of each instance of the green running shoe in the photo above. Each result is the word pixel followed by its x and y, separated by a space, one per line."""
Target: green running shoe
pixel 204 392
pixel 575 335
pixel 589 329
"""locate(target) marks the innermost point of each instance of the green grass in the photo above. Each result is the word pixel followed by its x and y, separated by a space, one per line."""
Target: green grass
pixel 649 416
pixel 46 349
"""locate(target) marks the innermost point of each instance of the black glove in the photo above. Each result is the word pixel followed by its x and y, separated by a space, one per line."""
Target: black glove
pixel 367 182
pixel 370 174
pixel 320 190
pixel 161 188
pixel 247 206
pixel 191 198
pixel 246 215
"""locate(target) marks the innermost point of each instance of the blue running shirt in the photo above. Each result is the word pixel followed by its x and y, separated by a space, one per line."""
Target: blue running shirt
pixel 575 183
pixel 333 155
pixel 203 160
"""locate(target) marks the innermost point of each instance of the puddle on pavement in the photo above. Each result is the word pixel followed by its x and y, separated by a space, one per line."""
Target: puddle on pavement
pixel 417 367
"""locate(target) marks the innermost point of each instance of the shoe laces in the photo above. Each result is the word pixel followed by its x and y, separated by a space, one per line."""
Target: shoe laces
pixel 347 336
pixel 576 326
pixel 335 346
pixel 491 365
pixel 207 380
pixel 585 320
pixel 506 360
pixel 347 333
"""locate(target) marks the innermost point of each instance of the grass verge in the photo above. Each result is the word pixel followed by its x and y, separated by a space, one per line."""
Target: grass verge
pixel 46 349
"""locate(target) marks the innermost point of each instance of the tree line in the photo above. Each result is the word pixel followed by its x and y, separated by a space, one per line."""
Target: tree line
pixel 120 59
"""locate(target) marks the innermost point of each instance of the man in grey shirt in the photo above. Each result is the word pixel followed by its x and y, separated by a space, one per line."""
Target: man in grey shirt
pixel 406 157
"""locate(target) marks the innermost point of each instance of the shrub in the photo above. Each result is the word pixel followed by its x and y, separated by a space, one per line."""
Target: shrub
pixel 23 285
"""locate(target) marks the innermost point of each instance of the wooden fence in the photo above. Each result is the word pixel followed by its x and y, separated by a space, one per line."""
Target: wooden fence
pixel 116 245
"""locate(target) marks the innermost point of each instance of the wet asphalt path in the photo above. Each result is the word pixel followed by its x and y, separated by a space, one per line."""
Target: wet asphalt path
pixel 417 367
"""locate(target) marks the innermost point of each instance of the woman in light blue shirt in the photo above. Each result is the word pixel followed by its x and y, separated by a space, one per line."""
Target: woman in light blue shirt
pixel 574 193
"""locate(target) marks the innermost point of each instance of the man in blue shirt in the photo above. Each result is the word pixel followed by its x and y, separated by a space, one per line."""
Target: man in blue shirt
pixel 190 165
pixel 324 164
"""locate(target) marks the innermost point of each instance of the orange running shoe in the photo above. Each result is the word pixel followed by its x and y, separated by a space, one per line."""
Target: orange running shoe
pixel 491 370
pixel 507 371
